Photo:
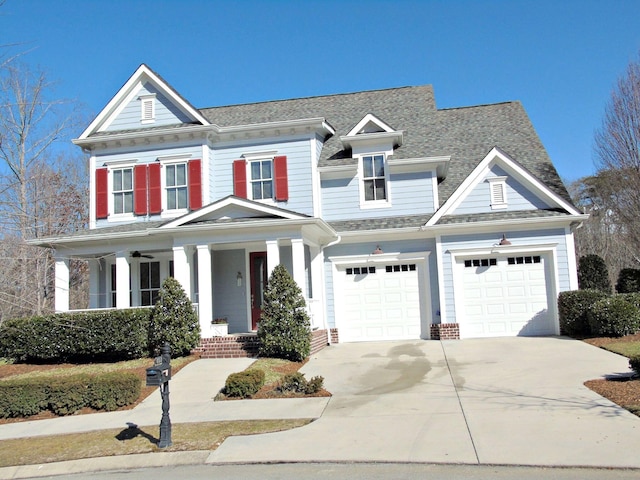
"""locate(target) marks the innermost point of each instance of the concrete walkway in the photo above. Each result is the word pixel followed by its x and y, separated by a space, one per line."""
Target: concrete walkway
pixel 518 401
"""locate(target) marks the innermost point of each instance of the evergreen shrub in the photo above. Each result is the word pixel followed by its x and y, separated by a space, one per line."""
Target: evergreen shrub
pixel 244 384
pixel 284 329
pixel 628 280
pixel 297 383
pixel 613 317
pixel 173 320
pixel 593 274
pixel 573 307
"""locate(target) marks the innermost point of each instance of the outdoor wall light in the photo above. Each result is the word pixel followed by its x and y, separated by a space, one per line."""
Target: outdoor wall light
pixel 504 240
pixel 239 279
pixel 377 251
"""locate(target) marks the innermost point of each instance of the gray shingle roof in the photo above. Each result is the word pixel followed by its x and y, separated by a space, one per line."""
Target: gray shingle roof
pixel 504 215
pixel 411 221
pixel 467 134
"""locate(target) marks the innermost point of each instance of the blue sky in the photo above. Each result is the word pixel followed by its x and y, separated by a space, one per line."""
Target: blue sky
pixel 561 59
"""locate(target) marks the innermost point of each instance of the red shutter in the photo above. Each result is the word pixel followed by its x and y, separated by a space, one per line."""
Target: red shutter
pixel 102 193
pixel 155 189
pixel 282 182
pixel 140 189
pixel 240 178
pixel 195 184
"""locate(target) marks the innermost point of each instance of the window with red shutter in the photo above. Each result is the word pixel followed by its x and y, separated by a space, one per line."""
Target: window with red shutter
pixel 281 178
pixel 140 190
pixel 195 184
pixel 102 193
pixel 240 178
pixel 155 189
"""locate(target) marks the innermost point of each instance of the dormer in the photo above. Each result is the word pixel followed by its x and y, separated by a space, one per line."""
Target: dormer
pixel 371 132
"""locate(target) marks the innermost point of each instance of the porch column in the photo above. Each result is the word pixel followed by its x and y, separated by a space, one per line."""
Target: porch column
pixel 181 269
pixel 205 291
pixel 317 287
pixel 297 258
pixel 273 256
pixel 62 285
pixel 123 273
pixel 94 284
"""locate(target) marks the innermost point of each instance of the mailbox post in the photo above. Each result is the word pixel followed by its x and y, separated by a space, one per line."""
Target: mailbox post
pixel 159 375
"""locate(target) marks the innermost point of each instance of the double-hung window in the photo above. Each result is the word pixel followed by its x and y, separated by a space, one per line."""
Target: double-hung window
pixel 261 180
pixel 374 179
pixel 122 190
pixel 176 186
pixel 149 282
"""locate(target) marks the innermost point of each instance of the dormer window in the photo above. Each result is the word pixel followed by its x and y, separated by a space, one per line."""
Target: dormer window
pixel 373 178
pixel 148 108
pixel 498 189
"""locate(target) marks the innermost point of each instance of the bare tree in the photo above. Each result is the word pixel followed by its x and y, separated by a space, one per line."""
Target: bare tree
pixel 40 191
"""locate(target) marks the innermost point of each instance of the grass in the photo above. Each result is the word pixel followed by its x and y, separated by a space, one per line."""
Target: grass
pixel 104 443
pixel 627 349
pixel 273 368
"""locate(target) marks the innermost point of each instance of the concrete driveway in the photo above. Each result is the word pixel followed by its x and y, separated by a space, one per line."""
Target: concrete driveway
pixel 491 401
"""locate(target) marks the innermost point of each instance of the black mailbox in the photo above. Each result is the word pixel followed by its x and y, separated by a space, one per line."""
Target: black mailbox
pixel 159 373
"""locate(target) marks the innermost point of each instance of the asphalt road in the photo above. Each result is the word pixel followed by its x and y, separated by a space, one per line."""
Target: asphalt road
pixel 359 471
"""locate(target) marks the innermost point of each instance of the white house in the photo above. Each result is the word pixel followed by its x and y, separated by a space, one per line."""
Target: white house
pixel 397 219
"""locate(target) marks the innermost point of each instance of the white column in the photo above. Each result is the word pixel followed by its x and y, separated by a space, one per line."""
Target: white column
pixel 62 284
pixel 123 273
pixel 273 256
pixel 317 286
pixel 297 258
pixel 94 283
pixel 181 268
pixel 205 291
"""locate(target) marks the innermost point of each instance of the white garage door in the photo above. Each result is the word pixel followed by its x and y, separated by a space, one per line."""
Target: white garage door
pixel 379 302
pixel 505 296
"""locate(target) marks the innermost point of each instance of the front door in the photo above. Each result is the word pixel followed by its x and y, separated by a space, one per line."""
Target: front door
pixel 258 273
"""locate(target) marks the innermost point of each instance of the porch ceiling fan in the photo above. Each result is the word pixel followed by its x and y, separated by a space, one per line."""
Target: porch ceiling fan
pixel 137 254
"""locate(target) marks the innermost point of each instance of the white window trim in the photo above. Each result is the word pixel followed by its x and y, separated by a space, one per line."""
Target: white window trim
pixel 367 204
pixel 145 101
pixel 260 158
pixel 164 162
pixel 497 189
pixel 119 166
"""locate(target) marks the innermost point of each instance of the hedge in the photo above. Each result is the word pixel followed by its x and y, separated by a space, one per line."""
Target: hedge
pixel 614 317
pixel 572 309
pixel 67 395
pixel 244 384
pixel 98 335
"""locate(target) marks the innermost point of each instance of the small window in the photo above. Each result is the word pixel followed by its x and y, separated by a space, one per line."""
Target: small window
pixel 400 268
pixel 524 260
pixel 123 190
pixel 361 270
pixel 176 186
pixel 261 179
pixel 373 176
pixel 481 262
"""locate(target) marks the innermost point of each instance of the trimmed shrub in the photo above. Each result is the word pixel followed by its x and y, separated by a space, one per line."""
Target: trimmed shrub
pixel 614 317
pixel 113 390
pixel 284 329
pixel 244 384
pixel 297 383
pixel 634 363
pixel 67 395
pixel 174 320
pixel 21 399
pixel 628 280
pixel 99 335
pixel 573 307
pixel 593 274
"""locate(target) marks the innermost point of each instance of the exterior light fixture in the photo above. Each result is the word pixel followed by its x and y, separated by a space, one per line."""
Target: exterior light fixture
pixel 504 240
pixel 377 251
pixel 239 279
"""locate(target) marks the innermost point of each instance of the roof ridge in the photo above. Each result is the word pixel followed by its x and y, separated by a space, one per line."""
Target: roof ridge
pixel 318 96
pixel 480 105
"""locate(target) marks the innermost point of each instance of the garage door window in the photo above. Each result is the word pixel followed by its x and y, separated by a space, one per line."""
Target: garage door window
pixel 480 262
pixel 361 270
pixel 523 260
pixel 400 268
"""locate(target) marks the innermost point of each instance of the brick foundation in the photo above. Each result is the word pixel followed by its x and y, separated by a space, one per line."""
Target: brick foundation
pixel 246 345
pixel 445 331
pixel 335 338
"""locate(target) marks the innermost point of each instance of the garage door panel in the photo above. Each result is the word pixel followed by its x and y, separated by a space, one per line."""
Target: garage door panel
pixel 380 305
pixel 508 297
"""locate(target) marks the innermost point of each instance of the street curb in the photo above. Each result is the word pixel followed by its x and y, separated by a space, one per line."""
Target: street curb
pixel 134 461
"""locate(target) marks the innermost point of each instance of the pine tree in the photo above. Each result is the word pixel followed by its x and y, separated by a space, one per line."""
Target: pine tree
pixel 284 328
